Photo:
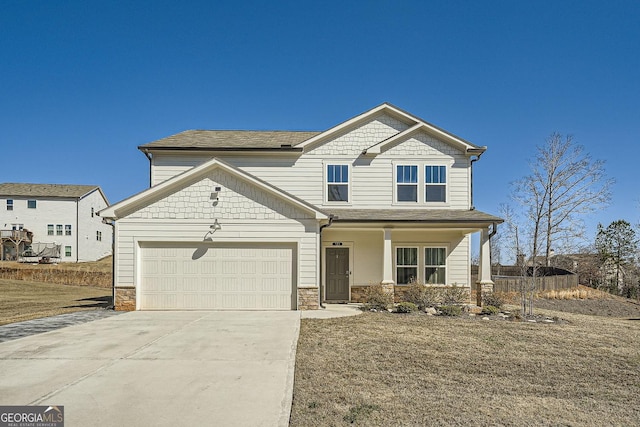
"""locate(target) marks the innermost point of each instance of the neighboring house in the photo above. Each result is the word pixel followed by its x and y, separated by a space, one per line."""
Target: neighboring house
pixel 63 217
pixel 286 220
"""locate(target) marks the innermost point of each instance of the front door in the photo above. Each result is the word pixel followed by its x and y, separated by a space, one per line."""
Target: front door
pixel 337 274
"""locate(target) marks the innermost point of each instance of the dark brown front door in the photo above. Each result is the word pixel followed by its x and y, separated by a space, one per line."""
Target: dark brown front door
pixel 337 274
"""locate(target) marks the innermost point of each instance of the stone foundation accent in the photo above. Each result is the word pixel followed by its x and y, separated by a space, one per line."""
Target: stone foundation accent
pixel 308 299
pixel 125 299
pixel 481 288
pixel 357 293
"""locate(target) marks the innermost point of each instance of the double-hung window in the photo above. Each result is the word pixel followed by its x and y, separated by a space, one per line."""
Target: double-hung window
pixel 435 266
pixel 337 183
pixel 406 265
pixel 67 230
pixel 99 236
pixel 407 183
pixel 435 179
pixel 49 229
pixel 9 204
pixel 31 204
pixel 59 230
pixel 67 251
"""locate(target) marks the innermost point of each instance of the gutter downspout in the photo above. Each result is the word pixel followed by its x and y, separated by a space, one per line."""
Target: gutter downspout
pixel 471 179
pixel 148 156
pixel 77 230
pixel 322 227
pixel 112 223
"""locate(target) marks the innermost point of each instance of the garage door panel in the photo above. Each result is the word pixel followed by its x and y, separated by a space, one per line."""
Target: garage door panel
pixel 232 278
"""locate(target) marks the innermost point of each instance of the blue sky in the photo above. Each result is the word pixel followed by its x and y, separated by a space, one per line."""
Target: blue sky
pixel 83 83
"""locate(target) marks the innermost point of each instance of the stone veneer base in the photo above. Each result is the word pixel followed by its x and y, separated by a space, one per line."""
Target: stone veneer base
pixel 125 299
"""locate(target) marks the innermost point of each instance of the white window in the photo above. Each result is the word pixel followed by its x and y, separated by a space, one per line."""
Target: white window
pixel 337 183
pixel 67 230
pixel 406 265
pixel 407 183
pixel 31 204
pixel 67 251
pixel 59 230
pixel 99 236
pixel 49 229
pixel 9 204
pixel 429 268
pixel 17 227
pixel 435 179
pixel 435 266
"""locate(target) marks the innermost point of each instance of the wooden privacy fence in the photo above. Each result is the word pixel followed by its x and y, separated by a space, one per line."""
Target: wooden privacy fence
pixel 543 283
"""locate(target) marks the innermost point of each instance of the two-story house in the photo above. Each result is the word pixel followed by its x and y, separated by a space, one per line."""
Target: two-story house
pixel 61 222
pixel 289 220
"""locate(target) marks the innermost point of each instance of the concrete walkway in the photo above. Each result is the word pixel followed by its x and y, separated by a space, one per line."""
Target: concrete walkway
pixel 159 368
pixel 333 310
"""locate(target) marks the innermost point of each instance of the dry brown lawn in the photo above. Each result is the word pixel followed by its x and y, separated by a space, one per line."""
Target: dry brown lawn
pixel 22 300
pixel 383 369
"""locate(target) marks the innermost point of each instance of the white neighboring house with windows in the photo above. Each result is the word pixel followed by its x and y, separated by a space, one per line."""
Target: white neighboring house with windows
pixel 64 215
pixel 290 220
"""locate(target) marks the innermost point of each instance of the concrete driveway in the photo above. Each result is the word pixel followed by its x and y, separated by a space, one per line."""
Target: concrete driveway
pixel 159 368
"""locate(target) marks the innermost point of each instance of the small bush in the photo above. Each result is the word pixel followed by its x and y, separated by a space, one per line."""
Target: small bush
pixel 454 295
pixel 451 310
pixel 490 309
pixel 422 295
pixel 376 297
pixel 492 299
pixel 406 307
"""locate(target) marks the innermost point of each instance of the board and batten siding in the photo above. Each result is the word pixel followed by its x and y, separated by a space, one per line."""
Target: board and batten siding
pixel 372 177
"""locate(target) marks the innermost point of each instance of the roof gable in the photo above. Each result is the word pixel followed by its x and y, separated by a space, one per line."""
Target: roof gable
pixel 154 194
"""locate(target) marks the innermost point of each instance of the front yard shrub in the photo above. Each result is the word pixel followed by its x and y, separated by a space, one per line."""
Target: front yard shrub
pixel 493 299
pixel 421 295
pixel 376 297
pixel 406 307
pixel 490 309
pixel 454 294
pixel 451 310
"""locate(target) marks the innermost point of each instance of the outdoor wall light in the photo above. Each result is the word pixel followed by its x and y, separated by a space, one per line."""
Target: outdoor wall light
pixel 215 226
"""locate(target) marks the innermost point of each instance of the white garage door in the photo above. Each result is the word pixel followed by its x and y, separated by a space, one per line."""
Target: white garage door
pixel 218 278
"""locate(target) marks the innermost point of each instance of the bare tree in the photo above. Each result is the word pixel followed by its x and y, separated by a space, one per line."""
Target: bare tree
pixel 564 185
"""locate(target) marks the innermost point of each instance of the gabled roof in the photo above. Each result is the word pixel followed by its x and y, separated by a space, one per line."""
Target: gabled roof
pixel 165 188
pixel 298 141
pixel 229 140
pixel 47 190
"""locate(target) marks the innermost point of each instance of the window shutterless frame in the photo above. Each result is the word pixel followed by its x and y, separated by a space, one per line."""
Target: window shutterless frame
pixel 338 182
pixel 406 183
pixel 435 181
pixel 406 265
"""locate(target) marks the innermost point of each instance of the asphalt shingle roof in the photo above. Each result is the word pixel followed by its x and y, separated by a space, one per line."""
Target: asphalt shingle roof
pixel 422 215
pixel 45 190
pixel 230 139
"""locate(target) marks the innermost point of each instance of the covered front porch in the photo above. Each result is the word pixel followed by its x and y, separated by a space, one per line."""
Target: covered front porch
pixel 396 248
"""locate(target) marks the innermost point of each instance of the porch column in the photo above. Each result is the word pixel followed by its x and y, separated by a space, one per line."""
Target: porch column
pixel 387 259
pixel 484 283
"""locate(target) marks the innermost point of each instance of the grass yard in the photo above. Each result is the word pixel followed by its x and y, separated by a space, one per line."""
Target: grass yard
pixel 23 300
pixel 383 369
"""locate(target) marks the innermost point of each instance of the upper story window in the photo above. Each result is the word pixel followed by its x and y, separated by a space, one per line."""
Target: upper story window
pixel 407 183
pixel 99 236
pixel 92 212
pixel 49 229
pixel 67 230
pixel 59 230
pixel 9 204
pixel 435 179
pixel 337 183
pixel 31 204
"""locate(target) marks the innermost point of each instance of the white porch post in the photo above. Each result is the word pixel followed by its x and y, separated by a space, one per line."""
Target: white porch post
pixel 485 284
pixel 387 262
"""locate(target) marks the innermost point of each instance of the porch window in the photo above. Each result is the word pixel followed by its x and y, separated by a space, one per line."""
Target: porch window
pixel 50 230
pixel 337 183
pixel 435 266
pixel 67 230
pixel 9 204
pixel 406 265
pixel 407 183
pixel 435 178
pixel 67 251
pixel 59 230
